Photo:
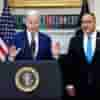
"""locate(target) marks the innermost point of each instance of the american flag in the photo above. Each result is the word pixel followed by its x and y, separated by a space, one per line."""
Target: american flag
pixel 7 30
pixel 3 50
pixel 84 9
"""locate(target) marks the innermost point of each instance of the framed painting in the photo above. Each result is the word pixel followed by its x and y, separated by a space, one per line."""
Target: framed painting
pixel 44 3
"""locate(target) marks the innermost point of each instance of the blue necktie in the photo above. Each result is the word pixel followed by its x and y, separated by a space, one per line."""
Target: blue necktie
pixel 89 53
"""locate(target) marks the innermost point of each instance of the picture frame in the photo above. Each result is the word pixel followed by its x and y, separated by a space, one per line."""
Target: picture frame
pixel 44 3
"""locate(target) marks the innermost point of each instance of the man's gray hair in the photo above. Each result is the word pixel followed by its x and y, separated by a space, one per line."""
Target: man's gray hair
pixel 30 13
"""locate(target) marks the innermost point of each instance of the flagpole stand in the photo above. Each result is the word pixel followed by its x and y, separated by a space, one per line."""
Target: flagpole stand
pixel 97 13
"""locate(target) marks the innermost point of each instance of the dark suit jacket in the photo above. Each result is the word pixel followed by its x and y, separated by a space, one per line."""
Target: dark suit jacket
pixel 44 51
pixel 78 32
pixel 77 71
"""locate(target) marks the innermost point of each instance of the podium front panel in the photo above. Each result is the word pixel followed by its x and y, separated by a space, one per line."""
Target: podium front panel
pixel 50 80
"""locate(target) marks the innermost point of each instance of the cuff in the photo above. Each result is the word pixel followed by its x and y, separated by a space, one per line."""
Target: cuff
pixel 56 57
pixel 10 58
pixel 70 86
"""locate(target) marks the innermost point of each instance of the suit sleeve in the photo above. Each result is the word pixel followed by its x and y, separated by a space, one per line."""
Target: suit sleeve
pixel 19 40
pixel 49 53
pixel 47 42
pixel 67 63
pixel 71 53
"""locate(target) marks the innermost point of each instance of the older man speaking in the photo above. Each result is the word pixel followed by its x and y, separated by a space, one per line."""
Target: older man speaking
pixel 34 44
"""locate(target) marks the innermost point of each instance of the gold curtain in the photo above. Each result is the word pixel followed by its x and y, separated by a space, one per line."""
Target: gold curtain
pixel 44 3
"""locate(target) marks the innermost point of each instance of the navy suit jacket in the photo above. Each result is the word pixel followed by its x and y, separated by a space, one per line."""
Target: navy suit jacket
pixel 44 52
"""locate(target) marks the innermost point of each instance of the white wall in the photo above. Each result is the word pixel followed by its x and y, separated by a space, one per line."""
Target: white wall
pixel 49 11
pixel 95 8
pixel 1 5
pixel 97 12
pixel 92 5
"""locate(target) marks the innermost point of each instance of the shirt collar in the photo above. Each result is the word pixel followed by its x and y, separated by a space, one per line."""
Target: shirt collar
pixel 93 35
pixel 35 34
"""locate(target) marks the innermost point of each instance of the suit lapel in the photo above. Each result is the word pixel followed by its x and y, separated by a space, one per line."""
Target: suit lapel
pixel 97 41
pixel 38 45
pixel 27 48
pixel 97 45
pixel 26 39
pixel 82 49
pixel 83 56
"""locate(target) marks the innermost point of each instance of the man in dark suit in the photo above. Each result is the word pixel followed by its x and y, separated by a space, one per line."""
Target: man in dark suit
pixel 82 63
pixel 33 43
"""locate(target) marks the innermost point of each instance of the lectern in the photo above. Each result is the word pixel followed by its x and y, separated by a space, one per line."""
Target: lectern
pixel 28 79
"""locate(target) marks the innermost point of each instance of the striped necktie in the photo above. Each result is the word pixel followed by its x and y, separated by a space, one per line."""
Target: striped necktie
pixel 33 45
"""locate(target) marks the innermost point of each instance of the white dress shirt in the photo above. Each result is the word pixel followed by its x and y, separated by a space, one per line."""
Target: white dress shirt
pixel 85 40
pixel 36 38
